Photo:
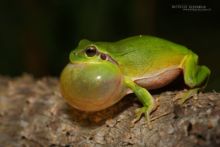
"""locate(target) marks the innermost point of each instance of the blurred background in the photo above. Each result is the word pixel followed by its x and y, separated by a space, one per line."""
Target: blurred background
pixel 36 36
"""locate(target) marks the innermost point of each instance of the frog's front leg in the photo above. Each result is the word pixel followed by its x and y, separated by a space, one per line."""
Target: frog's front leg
pixel 145 98
pixel 195 76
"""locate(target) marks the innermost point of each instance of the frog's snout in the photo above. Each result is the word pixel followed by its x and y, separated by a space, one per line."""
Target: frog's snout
pixel 92 86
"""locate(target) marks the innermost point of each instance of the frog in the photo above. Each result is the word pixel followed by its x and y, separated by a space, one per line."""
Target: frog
pixel 100 74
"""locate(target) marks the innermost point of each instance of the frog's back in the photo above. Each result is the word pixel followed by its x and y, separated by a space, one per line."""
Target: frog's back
pixel 143 56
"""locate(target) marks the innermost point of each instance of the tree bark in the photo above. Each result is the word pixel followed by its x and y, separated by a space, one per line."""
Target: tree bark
pixel 33 113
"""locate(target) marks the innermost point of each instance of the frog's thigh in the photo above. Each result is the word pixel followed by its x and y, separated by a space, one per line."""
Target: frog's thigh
pixel 194 74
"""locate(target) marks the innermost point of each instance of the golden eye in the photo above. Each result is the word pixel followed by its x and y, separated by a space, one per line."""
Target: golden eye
pixel 91 51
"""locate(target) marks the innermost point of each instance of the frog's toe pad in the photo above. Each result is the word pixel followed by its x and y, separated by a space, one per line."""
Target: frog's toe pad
pixel 142 111
pixel 183 97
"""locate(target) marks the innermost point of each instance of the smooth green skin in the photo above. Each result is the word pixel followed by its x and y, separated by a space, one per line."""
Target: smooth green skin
pixel 137 57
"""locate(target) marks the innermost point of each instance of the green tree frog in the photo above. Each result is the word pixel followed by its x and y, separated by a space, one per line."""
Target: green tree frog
pixel 101 73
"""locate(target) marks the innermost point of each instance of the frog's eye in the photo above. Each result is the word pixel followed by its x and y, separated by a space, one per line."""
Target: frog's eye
pixel 91 51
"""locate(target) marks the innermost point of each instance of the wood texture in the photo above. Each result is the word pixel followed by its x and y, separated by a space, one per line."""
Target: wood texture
pixel 33 113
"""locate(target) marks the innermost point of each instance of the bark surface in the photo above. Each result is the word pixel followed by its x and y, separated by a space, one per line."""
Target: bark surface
pixel 33 113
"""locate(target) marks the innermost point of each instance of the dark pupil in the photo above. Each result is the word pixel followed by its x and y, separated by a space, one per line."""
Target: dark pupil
pixel 91 51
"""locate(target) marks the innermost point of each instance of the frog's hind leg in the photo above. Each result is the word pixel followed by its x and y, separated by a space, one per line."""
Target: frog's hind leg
pixel 195 76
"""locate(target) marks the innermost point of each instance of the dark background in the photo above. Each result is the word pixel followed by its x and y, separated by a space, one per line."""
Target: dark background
pixel 36 36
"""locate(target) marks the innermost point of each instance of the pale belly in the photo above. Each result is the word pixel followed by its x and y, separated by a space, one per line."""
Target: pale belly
pixel 159 79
